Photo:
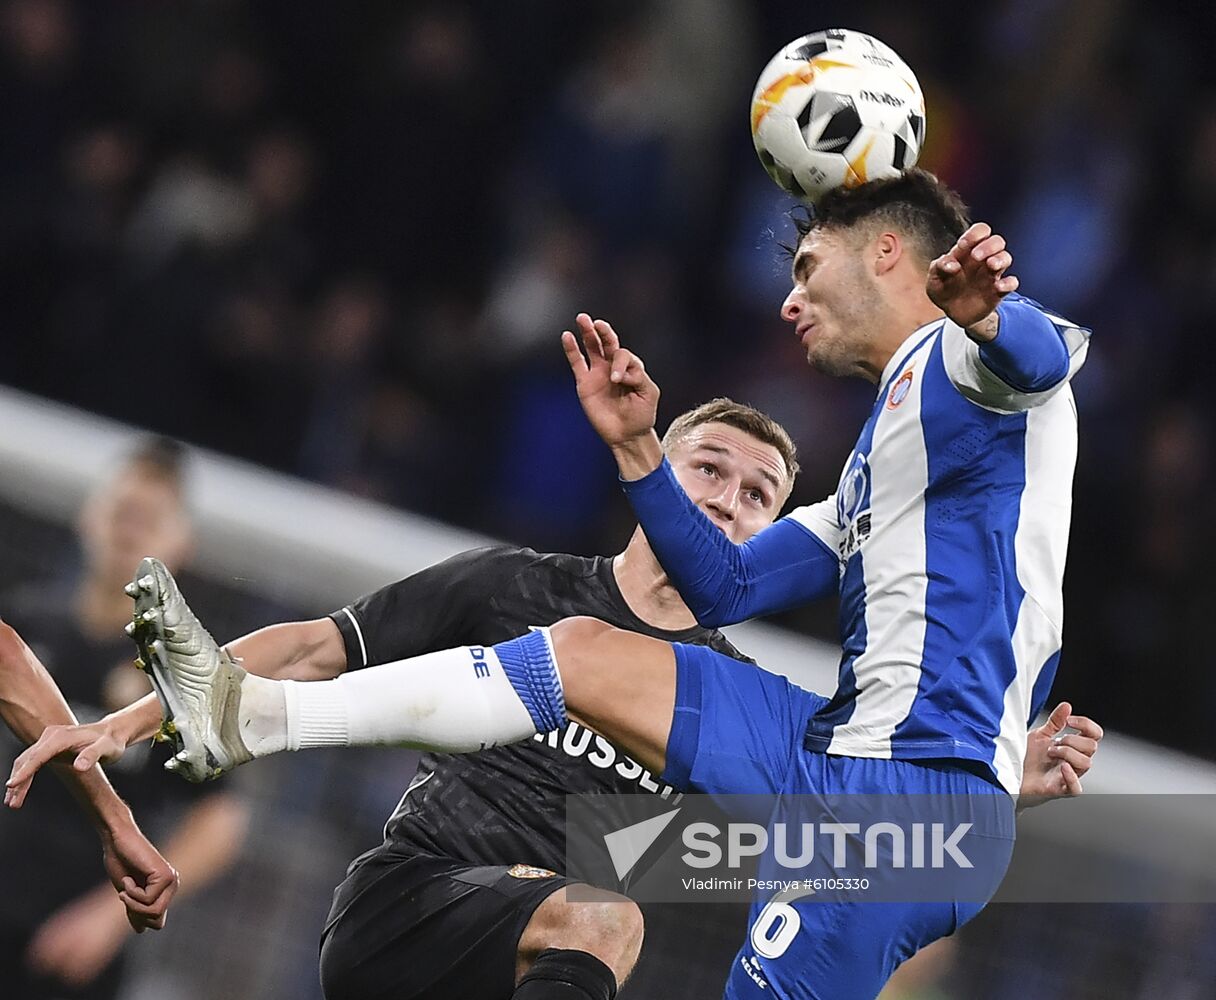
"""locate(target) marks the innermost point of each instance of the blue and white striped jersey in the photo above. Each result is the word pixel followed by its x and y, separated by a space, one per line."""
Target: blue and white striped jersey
pixel 946 537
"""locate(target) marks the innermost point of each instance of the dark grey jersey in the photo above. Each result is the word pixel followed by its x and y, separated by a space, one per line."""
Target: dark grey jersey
pixel 506 805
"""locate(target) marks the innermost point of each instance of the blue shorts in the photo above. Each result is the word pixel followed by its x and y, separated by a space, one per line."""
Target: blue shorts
pixel 739 730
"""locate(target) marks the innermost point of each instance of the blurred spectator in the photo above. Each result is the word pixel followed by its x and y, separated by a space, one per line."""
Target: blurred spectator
pixel 538 292
pixel 604 150
pixel 61 928
pixel 188 203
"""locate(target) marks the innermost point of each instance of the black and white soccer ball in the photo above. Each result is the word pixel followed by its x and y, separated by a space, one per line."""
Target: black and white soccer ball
pixel 836 108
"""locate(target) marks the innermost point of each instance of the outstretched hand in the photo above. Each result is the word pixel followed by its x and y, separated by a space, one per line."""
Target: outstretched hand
pixel 968 282
pixel 621 401
pixel 83 745
pixel 1057 760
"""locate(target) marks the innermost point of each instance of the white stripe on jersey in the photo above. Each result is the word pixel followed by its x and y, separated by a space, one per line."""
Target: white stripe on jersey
pixel 893 559
pixel 358 631
pixel 821 521
pixel 1042 539
pixel 1039 548
pixel 961 355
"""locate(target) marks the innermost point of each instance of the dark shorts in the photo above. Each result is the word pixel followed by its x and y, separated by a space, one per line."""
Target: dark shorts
pixel 420 927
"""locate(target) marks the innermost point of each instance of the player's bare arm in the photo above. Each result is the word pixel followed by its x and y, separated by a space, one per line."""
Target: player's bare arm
pixel 304 651
pixel 621 401
pixel 82 745
pixel 298 651
pixel 968 282
pixel 29 702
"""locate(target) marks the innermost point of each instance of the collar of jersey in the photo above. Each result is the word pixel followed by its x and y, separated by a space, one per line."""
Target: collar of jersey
pixel 904 350
pixel 643 626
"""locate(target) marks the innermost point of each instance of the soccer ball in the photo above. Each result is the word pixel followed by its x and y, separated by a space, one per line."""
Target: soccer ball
pixel 836 108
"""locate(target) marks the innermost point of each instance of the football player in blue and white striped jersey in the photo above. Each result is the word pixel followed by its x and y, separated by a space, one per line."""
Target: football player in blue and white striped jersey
pixel 946 536
pixel 945 540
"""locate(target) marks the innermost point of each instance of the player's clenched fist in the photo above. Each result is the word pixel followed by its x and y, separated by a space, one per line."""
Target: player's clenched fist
pixel 969 281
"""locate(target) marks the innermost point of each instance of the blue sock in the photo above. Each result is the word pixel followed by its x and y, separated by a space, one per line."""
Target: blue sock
pixel 530 667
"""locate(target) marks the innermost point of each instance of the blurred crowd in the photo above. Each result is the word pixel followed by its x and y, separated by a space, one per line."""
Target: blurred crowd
pixel 341 240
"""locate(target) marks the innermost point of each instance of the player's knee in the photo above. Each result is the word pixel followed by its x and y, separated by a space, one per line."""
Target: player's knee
pixel 610 928
pixel 577 643
pixel 10 643
pixel 621 923
pixel 571 636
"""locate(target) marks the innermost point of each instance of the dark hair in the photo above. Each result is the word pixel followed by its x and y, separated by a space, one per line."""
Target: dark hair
pixel 916 203
pixel 742 417
pixel 163 458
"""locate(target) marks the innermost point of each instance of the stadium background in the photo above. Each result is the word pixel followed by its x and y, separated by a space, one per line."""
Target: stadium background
pixel 341 244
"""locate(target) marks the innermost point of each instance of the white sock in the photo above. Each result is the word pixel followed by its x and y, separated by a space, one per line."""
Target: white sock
pixel 454 701
pixel 263 715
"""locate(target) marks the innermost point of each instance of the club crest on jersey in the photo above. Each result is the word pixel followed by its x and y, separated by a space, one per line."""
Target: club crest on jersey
pixel 529 871
pixel 899 391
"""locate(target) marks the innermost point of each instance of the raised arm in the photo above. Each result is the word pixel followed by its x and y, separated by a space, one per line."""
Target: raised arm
pixel 786 564
pixel 1003 350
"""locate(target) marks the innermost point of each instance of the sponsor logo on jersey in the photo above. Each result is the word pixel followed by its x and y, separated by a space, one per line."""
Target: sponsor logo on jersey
pixel 480 667
pixel 530 871
pixel 899 391
pixel 853 505
pixel 755 971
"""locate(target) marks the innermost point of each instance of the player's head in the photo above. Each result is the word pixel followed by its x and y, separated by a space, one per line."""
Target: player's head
pixel 735 463
pixel 140 510
pixel 860 265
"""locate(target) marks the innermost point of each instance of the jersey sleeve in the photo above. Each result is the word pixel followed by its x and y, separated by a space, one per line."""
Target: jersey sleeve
pixel 821 520
pixel 1034 355
pixel 427 611
pixel 786 564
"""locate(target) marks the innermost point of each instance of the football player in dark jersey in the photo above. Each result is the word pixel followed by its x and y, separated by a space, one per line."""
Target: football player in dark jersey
pixel 465 897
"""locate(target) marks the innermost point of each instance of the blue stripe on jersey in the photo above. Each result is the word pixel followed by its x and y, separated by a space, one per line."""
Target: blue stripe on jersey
pixel 1042 687
pixel 853 628
pixel 976 466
